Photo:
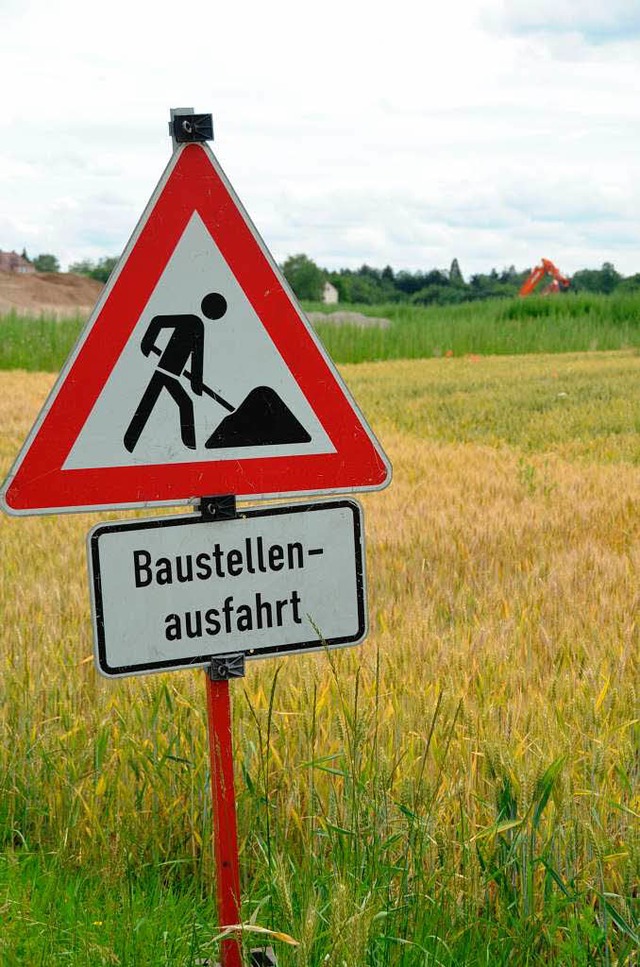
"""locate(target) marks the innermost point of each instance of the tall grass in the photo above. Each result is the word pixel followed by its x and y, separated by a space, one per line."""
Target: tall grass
pixel 461 789
pixel 36 344
pixel 571 323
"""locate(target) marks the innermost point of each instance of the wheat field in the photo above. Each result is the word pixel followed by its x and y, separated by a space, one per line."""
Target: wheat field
pixel 463 788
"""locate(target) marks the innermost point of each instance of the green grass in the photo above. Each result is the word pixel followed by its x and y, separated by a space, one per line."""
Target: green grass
pixel 495 327
pixel 572 323
pixel 52 915
pixel 369 876
pixel 36 344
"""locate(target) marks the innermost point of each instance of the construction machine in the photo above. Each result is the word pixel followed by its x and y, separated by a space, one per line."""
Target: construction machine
pixel 559 283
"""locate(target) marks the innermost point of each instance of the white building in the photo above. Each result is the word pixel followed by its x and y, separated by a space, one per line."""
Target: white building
pixel 329 294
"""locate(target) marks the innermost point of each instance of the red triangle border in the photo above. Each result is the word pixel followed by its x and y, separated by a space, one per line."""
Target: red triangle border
pixel 193 181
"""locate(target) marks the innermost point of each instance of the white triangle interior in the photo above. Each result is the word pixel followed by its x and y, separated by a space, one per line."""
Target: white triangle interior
pixel 239 356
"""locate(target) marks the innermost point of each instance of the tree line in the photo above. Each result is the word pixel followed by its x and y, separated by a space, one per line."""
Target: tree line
pixel 372 286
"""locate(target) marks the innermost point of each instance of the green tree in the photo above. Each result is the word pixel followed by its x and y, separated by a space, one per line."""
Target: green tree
pixel 104 268
pixel 489 286
pixel 100 270
pixel 455 275
pixel 603 280
pixel 630 284
pixel 46 263
pixel 409 282
pixel 441 295
pixel 610 278
pixel 82 268
pixel 363 289
pixel 304 277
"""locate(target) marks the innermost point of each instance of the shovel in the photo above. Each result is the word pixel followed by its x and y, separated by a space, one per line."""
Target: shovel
pixel 261 420
pixel 205 389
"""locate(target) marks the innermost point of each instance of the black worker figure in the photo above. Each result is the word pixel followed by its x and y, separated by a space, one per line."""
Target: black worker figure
pixel 184 348
pixel 261 420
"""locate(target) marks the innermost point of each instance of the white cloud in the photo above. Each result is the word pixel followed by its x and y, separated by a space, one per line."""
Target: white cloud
pixel 597 19
pixel 485 130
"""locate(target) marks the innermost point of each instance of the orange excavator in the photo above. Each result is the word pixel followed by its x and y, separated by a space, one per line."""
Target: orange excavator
pixel 559 283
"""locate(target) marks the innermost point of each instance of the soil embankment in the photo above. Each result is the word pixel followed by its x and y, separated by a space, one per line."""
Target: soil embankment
pixel 59 294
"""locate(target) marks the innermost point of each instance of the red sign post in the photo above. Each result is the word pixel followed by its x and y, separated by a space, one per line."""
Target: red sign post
pixel 224 815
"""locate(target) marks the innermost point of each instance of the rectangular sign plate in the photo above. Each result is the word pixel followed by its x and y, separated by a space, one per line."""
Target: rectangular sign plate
pixel 174 592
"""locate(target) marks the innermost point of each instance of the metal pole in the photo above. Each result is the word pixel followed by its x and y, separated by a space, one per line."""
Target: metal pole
pixel 225 835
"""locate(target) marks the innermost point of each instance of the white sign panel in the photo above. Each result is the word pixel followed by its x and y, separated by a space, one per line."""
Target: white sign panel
pixel 175 592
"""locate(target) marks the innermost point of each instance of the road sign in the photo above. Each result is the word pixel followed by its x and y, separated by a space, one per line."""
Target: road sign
pixel 197 374
pixel 173 592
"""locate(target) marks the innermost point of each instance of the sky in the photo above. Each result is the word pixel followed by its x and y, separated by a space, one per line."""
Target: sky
pixel 405 134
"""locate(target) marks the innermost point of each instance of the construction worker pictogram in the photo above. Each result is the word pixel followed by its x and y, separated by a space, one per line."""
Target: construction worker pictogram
pixel 185 346
pixel 261 420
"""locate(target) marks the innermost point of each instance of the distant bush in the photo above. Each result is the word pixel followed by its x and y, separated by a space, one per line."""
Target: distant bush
pixel 100 270
pixel 46 263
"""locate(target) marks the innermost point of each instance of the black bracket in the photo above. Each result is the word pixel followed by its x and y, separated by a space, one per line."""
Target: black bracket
pixel 224 667
pixel 218 508
pixel 260 957
pixel 263 957
pixel 187 128
pixel 223 507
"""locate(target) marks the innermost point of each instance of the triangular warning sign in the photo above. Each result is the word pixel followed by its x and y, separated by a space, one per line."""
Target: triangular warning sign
pixel 196 375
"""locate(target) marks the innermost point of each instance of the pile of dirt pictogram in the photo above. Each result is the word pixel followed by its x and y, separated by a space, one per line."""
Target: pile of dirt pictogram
pixel 262 419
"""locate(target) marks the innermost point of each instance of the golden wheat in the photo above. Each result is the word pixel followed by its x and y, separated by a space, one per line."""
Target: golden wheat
pixel 503 591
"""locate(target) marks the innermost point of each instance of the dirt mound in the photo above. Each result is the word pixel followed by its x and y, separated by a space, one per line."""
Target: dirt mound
pixel 348 319
pixel 60 294
pixel 261 420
